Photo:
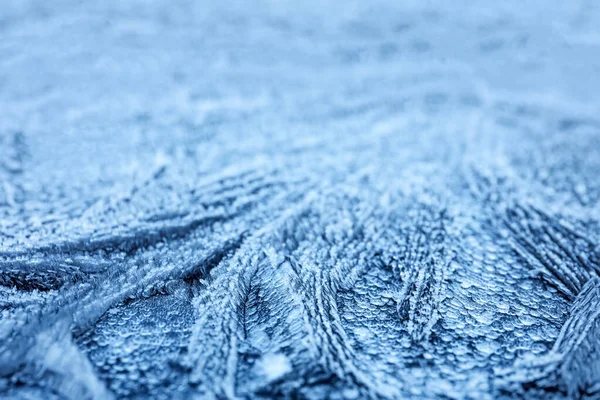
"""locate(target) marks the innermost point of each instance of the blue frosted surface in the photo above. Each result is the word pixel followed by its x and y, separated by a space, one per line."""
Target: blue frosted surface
pixel 305 200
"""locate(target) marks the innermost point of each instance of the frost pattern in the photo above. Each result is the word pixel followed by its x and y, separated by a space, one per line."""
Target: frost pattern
pixel 383 200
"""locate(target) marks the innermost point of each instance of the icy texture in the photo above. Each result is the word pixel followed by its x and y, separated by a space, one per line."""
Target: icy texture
pixel 389 200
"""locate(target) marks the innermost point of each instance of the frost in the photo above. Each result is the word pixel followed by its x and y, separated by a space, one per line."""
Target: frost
pixel 275 366
pixel 380 200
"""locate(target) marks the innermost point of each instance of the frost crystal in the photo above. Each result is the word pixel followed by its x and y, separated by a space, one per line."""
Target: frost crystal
pixel 309 200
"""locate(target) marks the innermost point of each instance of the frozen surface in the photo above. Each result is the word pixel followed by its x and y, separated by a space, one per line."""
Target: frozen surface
pixel 387 200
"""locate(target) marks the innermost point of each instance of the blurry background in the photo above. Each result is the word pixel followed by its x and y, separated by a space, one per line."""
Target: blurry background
pixel 109 87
